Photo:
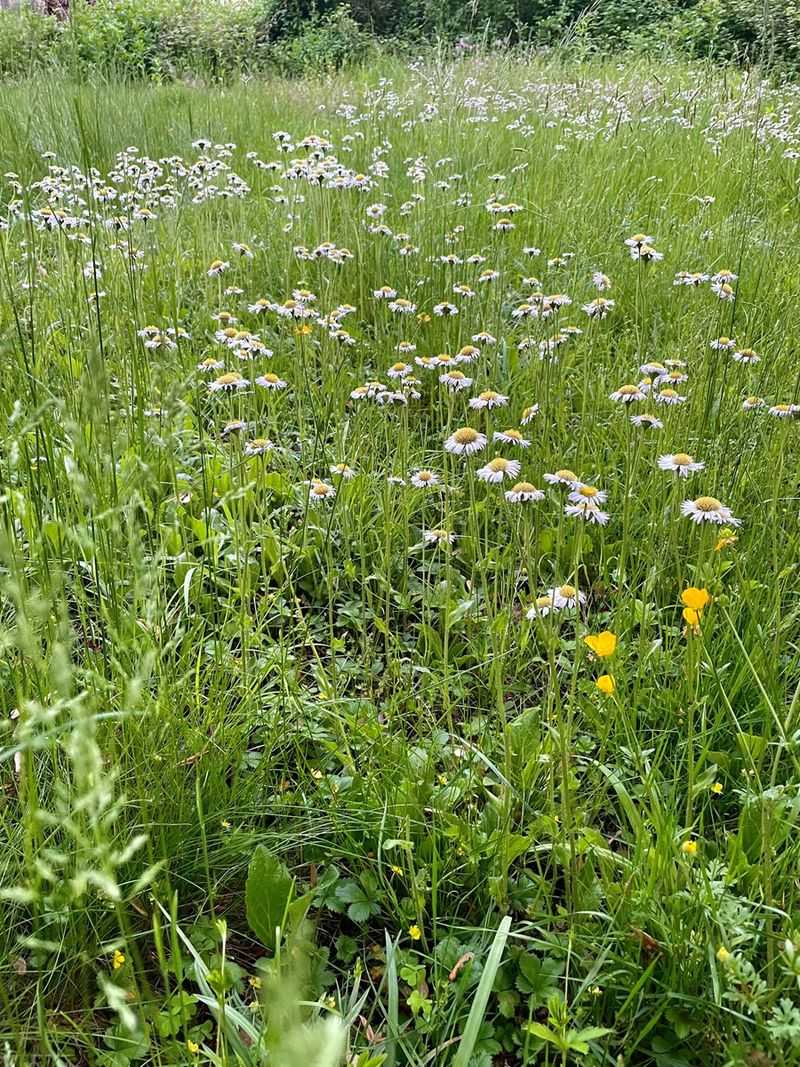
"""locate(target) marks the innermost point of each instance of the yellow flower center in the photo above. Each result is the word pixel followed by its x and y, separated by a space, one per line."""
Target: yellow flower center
pixel 270 377
pixel 566 475
pixel 465 436
pixel 707 503
pixel 588 491
pixel 682 459
pixel 524 487
pixel 498 464
pixel 515 435
pixel 668 392
pixel 628 390
pixel 490 394
pixel 567 590
pixel 424 476
pixel 398 366
pixel 229 378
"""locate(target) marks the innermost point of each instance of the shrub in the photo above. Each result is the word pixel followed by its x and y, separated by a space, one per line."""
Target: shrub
pixel 26 40
pixel 327 44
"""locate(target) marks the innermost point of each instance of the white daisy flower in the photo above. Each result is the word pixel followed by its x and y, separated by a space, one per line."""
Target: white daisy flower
pixel 424 479
pixel 523 493
pixel 259 446
pixel 599 307
pixel 488 399
pixel 511 437
pixel 320 492
pixel 627 394
pixel 499 468
pixel 231 382
pixel 455 380
pixel 669 396
pixel 588 511
pixel 270 381
pixel 343 471
pixel 562 477
pixel 708 509
pixel 680 462
pixel 465 442
pixel 745 355
pixel 580 492
pixel 438 537
pixel 647 422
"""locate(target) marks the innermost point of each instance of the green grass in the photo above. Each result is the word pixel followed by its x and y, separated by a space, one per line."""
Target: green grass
pixel 198 660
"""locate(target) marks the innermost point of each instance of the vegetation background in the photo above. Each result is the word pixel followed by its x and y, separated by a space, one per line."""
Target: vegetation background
pixel 163 39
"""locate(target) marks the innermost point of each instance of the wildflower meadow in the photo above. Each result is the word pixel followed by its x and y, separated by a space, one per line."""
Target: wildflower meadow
pixel 399 568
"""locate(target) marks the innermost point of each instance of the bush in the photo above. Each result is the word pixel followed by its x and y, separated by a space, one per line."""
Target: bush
pixel 26 41
pixel 160 38
pixel 328 43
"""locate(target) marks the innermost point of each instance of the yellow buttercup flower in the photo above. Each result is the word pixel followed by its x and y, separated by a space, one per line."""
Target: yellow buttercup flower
pixel 118 959
pixel 602 644
pixel 193 1047
pixel 606 684
pixel 723 955
pixel 696 599
pixel 689 848
pixel 414 932
pixel 691 616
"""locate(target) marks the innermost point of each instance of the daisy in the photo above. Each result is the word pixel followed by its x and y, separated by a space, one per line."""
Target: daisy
pixel 566 596
pixel 343 471
pixel 444 309
pixel 599 307
pixel 745 355
pixel 424 479
pixel 465 441
pixel 499 468
pixel 681 462
pixel 723 290
pixel 455 380
pixel 581 492
pixel 438 537
pixel 600 281
pixel 529 414
pixel 217 267
pixel 647 422
pixel 319 492
pixel 467 354
pixel 627 394
pixel 669 396
pixel 638 240
pixel 511 437
pixel 398 370
pixel 488 399
pixel 384 293
pixel 270 381
pixel 587 510
pixel 210 364
pixel 562 477
pixel 723 344
pixel 484 338
pixel 653 369
pixel 541 607
pixel 259 446
pixel 242 250
pixel 402 306
pixel 646 253
pixel 784 411
pixel 751 402
pixel 523 493
pixel 708 509
pixel 228 383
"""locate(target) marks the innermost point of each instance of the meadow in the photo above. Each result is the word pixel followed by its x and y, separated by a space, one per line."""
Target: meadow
pixel 399 568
